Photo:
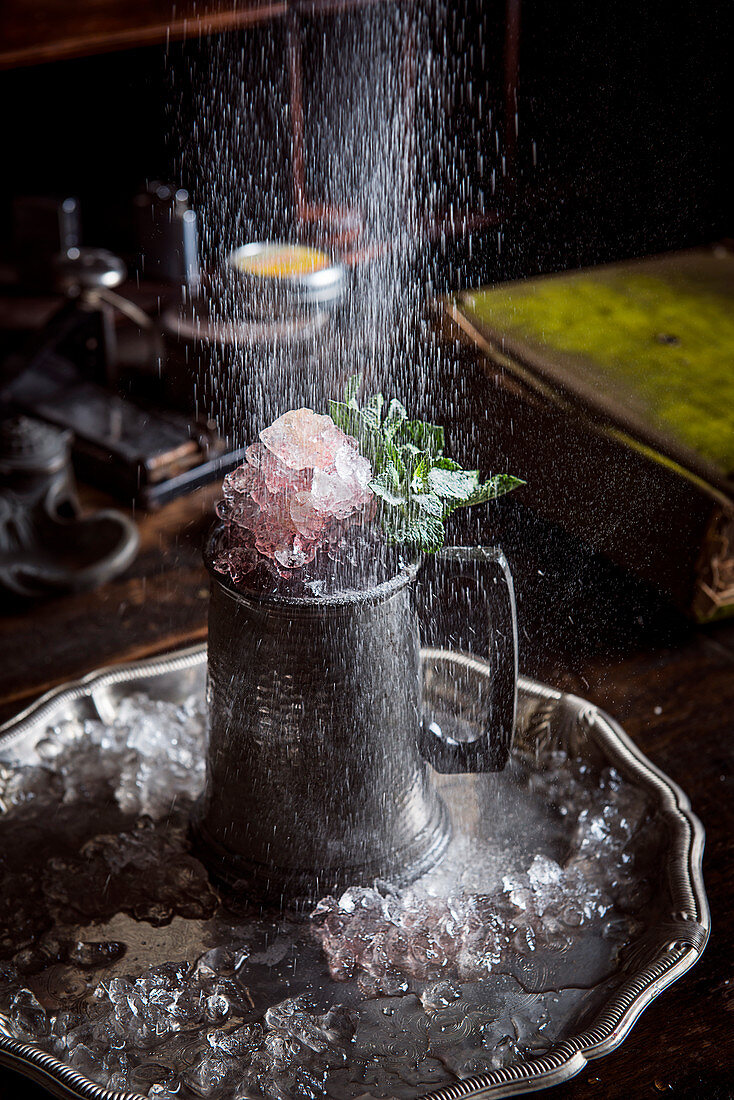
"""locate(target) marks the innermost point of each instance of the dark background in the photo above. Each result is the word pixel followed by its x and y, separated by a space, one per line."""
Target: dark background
pixel 627 104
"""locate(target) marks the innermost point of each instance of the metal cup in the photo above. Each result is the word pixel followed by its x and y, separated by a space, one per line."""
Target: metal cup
pixel 316 770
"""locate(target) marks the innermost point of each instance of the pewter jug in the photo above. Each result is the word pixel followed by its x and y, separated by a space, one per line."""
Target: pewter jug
pixel 316 771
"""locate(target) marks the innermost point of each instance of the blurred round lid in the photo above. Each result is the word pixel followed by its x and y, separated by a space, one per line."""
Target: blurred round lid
pixel 299 271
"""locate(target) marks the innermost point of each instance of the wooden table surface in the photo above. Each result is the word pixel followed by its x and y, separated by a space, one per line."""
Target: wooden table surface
pixel 585 628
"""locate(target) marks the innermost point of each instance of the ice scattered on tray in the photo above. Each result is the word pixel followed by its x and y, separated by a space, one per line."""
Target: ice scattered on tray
pixel 379 993
pixel 152 753
pixel 390 937
pixel 189 1031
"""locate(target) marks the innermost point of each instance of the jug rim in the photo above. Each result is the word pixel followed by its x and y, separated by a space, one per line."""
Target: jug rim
pixel 274 601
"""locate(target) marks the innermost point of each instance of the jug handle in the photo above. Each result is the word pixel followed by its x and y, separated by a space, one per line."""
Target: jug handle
pixel 489 752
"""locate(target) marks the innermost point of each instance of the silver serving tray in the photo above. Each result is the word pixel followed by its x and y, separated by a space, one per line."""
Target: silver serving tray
pixel 676 933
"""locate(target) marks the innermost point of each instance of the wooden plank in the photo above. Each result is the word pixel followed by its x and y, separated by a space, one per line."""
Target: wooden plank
pixel 52 30
pixel 33 32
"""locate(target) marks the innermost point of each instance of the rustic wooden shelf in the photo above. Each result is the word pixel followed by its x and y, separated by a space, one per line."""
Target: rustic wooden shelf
pixel 36 31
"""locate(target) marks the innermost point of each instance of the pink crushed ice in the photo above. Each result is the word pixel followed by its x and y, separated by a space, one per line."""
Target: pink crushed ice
pixel 301 486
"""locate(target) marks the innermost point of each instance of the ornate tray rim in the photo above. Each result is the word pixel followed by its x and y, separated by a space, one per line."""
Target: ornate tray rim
pixel 565 1060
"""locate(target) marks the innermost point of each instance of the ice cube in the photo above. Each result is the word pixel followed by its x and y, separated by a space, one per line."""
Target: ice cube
pixel 91 954
pixel 28 1016
pixel 88 1063
pixel 301 438
pixel 208 1074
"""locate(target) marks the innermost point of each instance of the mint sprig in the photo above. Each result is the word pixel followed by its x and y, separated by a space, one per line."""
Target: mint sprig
pixel 417 487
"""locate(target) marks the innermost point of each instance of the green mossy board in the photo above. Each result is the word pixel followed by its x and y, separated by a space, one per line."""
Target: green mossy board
pixel 653 339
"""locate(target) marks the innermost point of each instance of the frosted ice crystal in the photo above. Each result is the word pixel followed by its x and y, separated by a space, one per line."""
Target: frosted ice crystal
pixel 301 439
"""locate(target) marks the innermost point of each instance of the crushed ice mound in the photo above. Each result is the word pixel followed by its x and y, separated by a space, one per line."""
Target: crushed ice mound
pixel 190 1031
pixel 392 938
pixel 386 938
pixel 152 752
pixel 299 490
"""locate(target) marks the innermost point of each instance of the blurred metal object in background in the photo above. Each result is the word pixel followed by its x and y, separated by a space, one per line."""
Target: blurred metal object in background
pixel 265 333
pixel 78 269
pixel 89 276
pixel 167 235
pixel 46 546
pixel 43 227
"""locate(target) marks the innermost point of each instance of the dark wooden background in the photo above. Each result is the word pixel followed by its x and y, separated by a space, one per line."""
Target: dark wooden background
pixel 584 627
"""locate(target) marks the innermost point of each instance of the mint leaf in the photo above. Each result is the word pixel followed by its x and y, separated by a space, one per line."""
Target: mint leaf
pixel 430 534
pixel 454 484
pixel 387 486
pixel 429 503
pixel 399 528
pixel 345 418
pixel 419 481
pixel 424 533
pixel 393 456
pixel 372 413
pixel 497 486
pixel 416 485
pixel 427 437
pixel 396 414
